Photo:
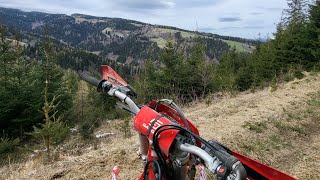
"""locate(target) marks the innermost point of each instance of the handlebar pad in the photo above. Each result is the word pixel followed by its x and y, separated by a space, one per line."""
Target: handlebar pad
pixel 89 79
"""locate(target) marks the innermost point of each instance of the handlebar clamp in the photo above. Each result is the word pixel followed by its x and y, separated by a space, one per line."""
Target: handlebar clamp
pixel 104 86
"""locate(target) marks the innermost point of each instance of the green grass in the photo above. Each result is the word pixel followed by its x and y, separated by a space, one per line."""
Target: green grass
pixel 285 128
pixel 187 34
pixel 165 30
pixel 280 132
pixel 160 41
pixel 184 34
pixel 239 46
pixel 258 127
pixel 278 142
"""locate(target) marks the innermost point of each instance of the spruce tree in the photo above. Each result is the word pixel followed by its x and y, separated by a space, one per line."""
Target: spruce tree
pixel 292 42
pixel 56 100
pixel 296 13
pixel 314 32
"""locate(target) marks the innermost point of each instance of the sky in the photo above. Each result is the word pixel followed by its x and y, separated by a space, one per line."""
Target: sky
pixel 241 18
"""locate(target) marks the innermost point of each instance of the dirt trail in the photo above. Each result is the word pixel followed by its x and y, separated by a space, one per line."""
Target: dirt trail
pixel 223 120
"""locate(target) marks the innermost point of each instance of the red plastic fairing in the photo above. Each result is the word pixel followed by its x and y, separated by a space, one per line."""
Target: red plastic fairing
pixel 165 109
pixel 143 121
pixel 110 75
pixel 262 169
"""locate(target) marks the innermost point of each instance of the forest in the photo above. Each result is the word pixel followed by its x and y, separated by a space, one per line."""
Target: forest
pixel 294 48
pixel 42 97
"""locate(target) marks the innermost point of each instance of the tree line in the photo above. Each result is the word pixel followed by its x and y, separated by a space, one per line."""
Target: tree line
pixel 42 96
pixel 294 48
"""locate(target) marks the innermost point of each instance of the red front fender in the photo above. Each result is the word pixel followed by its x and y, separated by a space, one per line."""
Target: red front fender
pixel 258 171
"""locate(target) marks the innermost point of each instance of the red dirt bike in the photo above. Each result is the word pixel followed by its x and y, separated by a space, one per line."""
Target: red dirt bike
pixel 171 145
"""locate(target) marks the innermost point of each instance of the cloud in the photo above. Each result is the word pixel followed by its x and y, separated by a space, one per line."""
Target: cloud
pixel 229 19
pixel 270 8
pixel 197 3
pixel 256 13
pixel 245 18
pixel 144 5
pixel 91 6
pixel 253 27
pixel 208 29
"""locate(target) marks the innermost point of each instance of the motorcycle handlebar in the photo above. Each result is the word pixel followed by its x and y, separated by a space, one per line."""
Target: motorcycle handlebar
pixel 214 163
pixel 106 87
pixel 89 79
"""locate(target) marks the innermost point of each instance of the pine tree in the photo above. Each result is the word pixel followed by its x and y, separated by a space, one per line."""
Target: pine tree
pixel 171 66
pixel 198 76
pixel 18 98
pixel 292 43
pixel 296 14
pixel 56 99
pixel 314 32
pixel 226 74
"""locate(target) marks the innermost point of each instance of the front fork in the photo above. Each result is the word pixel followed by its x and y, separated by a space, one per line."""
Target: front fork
pixel 180 163
pixel 147 154
pixel 143 146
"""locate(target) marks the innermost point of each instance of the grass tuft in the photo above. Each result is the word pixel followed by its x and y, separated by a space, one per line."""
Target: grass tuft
pixel 258 127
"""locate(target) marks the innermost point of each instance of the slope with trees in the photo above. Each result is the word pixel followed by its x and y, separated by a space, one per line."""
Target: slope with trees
pixel 294 48
pixel 182 74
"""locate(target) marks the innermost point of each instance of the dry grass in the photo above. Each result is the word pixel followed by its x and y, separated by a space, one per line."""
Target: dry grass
pixel 79 160
pixel 279 128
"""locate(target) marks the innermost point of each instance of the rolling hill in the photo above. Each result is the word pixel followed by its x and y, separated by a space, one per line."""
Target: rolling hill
pixel 121 40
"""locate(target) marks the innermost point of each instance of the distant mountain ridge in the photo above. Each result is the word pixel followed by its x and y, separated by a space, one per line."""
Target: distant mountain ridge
pixel 117 39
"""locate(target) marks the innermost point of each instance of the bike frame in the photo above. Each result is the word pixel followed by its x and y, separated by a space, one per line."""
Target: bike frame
pixel 149 119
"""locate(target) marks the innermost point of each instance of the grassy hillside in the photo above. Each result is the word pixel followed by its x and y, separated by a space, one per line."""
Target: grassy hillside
pixel 278 127
pixel 240 47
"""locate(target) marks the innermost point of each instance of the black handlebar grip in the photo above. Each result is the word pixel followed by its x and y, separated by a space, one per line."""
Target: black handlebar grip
pixel 89 79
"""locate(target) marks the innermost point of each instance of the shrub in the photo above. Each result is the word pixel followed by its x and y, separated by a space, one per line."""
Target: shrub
pixel 57 131
pixel 124 127
pixel 86 130
pixel 60 132
pixel 7 144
